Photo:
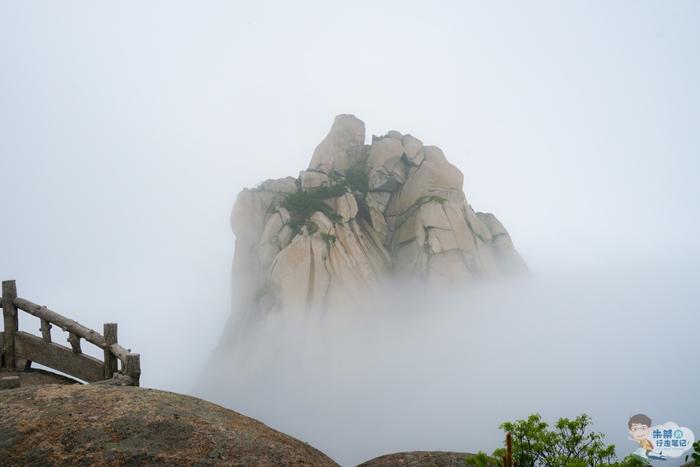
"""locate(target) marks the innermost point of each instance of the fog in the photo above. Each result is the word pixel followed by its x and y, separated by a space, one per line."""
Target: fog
pixel 439 371
pixel 127 130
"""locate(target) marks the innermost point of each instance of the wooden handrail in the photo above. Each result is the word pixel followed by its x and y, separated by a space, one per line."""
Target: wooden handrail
pixel 71 326
pixel 61 321
pixel 131 362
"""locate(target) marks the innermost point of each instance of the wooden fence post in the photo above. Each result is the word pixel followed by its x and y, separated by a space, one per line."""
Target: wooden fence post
pixel 110 335
pixel 74 341
pixel 45 331
pixel 9 314
pixel 133 368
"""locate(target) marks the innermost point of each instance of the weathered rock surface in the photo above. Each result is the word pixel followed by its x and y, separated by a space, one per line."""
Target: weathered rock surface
pixel 312 179
pixel 92 425
pixel 333 153
pixel 395 208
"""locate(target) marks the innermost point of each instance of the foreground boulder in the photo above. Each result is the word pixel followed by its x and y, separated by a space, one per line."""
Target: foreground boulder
pixel 359 214
pixel 81 425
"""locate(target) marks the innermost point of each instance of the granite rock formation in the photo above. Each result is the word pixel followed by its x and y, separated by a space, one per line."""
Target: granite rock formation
pixel 359 214
pixel 98 425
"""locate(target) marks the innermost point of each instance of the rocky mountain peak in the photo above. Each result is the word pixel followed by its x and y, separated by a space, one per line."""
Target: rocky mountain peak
pixel 394 208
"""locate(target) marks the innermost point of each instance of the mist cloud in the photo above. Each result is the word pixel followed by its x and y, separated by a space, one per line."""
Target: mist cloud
pixel 422 370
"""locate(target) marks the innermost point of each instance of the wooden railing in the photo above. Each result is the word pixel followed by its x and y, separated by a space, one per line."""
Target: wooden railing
pixel 119 363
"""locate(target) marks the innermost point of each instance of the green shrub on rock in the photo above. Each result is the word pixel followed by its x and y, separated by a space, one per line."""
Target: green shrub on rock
pixel 356 179
pixel 328 238
pixel 303 204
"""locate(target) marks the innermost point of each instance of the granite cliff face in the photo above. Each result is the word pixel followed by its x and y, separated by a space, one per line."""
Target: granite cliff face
pixel 360 214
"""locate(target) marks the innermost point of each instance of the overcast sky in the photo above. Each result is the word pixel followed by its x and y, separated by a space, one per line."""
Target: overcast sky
pixel 126 131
